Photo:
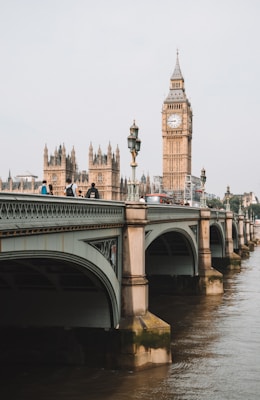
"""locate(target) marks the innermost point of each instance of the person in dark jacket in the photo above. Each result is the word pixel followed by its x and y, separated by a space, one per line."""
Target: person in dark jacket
pixel 92 192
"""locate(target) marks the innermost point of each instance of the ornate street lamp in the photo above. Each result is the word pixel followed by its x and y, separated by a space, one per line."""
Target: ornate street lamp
pixel 228 197
pixel 134 145
pixel 203 179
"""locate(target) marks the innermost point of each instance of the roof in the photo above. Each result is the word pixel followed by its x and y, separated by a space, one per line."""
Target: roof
pixel 177 70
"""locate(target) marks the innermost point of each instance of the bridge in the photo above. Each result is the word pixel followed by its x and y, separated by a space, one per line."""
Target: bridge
pixel 78 264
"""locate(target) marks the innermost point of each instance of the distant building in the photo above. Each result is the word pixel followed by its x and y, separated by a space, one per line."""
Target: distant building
pixel 246 199
pixel 26 177
pixel 176 136
pixel 104 170
pixel 24 183
pixel 144 185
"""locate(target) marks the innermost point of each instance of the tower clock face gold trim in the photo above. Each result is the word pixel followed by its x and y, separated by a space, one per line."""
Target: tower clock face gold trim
pixel 174 120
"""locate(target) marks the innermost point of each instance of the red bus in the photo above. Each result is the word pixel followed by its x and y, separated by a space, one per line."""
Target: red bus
pixel 158 198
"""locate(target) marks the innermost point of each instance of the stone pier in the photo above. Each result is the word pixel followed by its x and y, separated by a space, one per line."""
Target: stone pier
pixel 210 280
pixel 144 339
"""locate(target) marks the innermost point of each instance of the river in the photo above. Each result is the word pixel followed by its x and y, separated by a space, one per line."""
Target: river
pixel 216 353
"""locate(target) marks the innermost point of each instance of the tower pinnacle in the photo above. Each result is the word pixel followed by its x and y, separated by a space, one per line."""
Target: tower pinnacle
pixel 177 70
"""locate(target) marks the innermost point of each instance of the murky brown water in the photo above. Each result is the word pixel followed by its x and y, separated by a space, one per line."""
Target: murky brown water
pixel 216 353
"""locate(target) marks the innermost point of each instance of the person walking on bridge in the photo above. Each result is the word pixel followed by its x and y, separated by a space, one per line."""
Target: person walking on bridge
pixel 43 188
pixel 92 192
pixel 71 188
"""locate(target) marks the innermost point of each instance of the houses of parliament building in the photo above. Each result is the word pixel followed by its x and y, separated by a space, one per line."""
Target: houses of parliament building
pixel 104 169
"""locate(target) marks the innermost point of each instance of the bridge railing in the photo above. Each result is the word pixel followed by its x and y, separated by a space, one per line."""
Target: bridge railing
pixel 217 214
pixel 22 212
pixel 172 212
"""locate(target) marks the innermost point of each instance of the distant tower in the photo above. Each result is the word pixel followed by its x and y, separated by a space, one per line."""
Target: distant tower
pixel 58 167
pixel 104 170
pixel 176 135
pixel 144 185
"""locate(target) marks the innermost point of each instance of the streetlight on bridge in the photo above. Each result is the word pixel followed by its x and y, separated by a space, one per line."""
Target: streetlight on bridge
pixel 134 145
pixel 228 197
pixel 203 179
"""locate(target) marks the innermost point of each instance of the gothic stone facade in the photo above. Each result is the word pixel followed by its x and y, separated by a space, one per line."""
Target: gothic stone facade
pixel 176 136
pixel 104 170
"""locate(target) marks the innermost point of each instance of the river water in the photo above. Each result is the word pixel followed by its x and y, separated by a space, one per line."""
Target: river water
pixel 216 353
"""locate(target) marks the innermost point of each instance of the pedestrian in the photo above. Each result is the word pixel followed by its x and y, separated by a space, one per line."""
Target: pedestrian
pixel 142 200
pixel 71 188
pixel 43 187
pixel 50 189
pixel 92 192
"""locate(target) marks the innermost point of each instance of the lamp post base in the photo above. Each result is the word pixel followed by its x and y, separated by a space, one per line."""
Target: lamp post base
pixel 133 191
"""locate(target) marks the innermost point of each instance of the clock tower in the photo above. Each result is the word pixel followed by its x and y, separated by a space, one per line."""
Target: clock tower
pixel 176 135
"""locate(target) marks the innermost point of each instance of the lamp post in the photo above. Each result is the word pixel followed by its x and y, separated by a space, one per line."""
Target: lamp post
pixel 203 179
pixel 134 145
pixel 228 197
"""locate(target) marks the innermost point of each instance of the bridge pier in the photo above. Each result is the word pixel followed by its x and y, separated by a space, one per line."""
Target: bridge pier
pixel 232 261
pixel 250 242
pixel 210 280
pixel 253 238
pixel 143 339
pixel 243 248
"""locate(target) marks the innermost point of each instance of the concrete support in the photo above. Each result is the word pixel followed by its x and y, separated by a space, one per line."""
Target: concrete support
pixel 211 281
pixel 253 237
pixel 232 260
pixel 247 230
pixel 144 338
pixel 252 232
pixel 243 249
pixel 250 243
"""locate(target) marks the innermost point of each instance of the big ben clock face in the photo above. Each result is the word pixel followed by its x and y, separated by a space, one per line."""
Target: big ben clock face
pixel 174 120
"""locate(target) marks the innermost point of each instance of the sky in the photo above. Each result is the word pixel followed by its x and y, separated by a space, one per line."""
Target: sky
pixel 76 72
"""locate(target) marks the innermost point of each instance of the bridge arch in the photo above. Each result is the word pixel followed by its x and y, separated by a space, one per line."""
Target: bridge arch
pixel 217 240
pixel 53 288
pixel 235 236
pixel 171 251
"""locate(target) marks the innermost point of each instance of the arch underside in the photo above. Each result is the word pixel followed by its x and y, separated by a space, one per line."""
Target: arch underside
pixel 217 242
pixel 235 237
pixel 170 263
pixel 170 254
pixel 46 291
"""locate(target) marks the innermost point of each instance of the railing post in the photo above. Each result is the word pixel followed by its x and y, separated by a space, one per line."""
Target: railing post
pixel 210 280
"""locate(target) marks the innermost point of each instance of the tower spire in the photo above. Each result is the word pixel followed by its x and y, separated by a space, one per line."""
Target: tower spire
pixel 177 70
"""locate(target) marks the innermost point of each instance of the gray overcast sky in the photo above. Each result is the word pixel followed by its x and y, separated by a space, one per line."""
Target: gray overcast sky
pixel 80 71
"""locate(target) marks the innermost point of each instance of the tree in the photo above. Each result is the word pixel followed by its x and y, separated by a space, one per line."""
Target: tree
pixel 215 203
pixel 234 203
pixel 254 210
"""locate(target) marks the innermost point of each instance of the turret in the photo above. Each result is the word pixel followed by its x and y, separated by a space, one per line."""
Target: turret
pixel 90 154
pixel 73 157
pixel 109 154
pixel 45 156
pixel 117 156
pixel 63 156
pixel 99 155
